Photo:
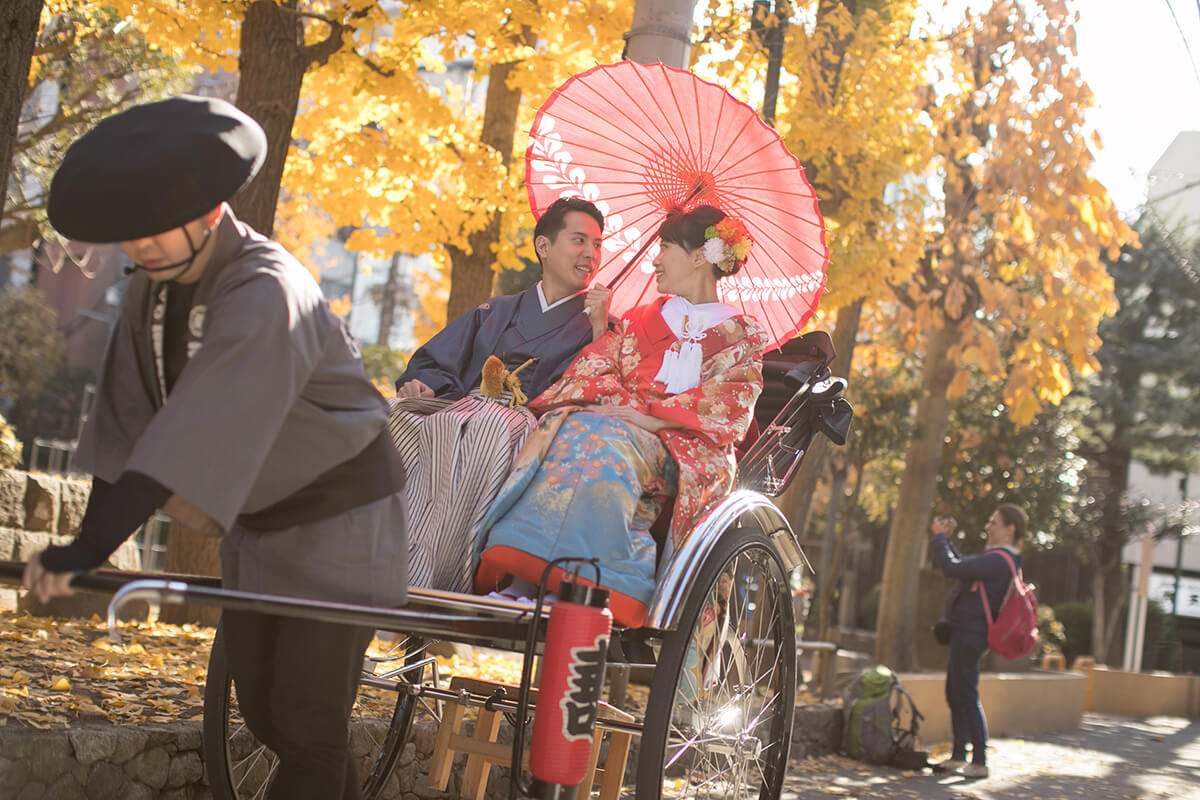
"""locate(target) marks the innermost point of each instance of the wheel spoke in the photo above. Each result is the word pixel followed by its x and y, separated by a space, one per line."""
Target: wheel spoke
pixel 726 735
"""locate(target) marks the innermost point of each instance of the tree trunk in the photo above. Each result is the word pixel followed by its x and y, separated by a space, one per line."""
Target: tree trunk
pixel 271 69
pixel 796 502
pixel 18 35
pixel 191 554
pixel 1109 590
pixel 848 597
pixel 826 577
pixel 1107 582
pixel 661 32
pixel 895 643
pixel 839 531
pixel 387 302
pixel 471 273
pixel 846 564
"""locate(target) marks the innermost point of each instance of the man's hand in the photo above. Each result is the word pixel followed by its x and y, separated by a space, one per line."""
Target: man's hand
pixel 413 388
pixel 45 585
pixel 596 308
pixel 944 525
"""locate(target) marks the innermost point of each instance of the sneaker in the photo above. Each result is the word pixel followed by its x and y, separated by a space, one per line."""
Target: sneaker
pixel 975 771
pixel 949 765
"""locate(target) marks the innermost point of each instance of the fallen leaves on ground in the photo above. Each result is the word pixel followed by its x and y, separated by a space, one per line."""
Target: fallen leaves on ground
pixel 56 672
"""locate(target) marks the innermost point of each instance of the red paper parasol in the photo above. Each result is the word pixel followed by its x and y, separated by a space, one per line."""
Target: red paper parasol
pixel 639 140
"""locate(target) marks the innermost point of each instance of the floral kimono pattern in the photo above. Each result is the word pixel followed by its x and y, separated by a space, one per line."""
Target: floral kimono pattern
pixel 693 462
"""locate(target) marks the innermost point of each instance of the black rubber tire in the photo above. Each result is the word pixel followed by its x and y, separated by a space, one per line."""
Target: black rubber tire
pixel 240 768
pixel 752 687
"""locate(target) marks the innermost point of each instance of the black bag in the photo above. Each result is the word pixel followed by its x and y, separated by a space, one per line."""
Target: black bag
pixel 941 632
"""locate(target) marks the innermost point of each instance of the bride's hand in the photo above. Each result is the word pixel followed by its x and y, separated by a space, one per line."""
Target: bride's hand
pixel 635 417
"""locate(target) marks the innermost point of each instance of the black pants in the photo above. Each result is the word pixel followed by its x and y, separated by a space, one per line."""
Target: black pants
pixel 296 681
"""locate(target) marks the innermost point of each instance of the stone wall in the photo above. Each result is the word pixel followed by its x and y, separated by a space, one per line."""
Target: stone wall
pixel 164 762
pixel 96 761
pixel 38 510
pixel 816 730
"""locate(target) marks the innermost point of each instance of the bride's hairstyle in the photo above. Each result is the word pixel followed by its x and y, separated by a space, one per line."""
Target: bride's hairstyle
pixel 690 231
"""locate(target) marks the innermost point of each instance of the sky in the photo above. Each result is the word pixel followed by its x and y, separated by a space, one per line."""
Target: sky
pixel 1147 89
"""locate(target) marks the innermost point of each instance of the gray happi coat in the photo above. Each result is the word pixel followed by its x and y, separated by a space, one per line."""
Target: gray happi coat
pixel 273 395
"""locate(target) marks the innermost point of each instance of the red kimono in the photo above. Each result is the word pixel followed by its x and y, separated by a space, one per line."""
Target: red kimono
pixel 620 369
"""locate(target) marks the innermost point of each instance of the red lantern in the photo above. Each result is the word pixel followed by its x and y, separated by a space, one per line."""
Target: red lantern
pixel 572 679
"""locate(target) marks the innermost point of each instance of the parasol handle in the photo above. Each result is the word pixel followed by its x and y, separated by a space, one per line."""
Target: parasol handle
pixel 698 188
pixel 629 265
pixel 620 276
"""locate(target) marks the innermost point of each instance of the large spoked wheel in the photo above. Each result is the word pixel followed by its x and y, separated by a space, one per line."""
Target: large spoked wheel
pixel 719 717
pixel 240 767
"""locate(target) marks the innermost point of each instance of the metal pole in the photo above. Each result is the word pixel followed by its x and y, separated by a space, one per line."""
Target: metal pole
pixel 1176 663
pixel 1137 622
pixel 353 288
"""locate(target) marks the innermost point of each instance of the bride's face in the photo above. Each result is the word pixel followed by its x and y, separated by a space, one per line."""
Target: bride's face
pixel 676 268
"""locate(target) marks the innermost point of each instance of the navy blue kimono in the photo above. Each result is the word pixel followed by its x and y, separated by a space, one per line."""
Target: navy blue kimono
pixel 514 329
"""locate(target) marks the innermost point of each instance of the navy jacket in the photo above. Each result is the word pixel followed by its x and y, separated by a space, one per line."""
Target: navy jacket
pixel 963 607
pixel 514 329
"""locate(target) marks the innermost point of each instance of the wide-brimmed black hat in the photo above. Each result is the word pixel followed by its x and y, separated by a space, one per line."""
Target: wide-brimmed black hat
pixel 154 167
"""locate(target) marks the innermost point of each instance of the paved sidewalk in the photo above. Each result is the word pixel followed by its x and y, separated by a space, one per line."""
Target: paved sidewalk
pixel 1106 758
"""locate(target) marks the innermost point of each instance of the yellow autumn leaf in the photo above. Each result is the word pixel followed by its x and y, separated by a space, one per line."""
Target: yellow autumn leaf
pixel 958 386
pixel 955 298
pixel 1021 225
pixel 341 305
pixel 1087 215
pixel 61 684
pixel 1024 409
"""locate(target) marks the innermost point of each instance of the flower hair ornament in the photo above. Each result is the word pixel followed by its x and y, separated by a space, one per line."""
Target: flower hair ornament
pixel 727 244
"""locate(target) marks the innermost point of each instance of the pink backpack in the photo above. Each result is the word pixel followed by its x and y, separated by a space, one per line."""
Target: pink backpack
pixel 1014 632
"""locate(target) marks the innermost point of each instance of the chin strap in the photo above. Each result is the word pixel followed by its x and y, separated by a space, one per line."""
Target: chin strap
pixel 183 262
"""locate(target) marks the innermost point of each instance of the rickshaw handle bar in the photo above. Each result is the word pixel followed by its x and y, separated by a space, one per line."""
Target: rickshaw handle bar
pixel 422 623
pixel 105 580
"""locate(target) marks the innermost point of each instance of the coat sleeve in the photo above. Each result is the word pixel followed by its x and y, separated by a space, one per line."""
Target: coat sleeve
pixel 595 376
pixel 978 567
pixel 209 441
pixel 719 410
pixel 441 362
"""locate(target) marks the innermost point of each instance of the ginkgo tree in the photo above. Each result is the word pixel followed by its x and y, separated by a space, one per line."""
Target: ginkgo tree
pixel 1011 282
pixel 373 134
pixel 18 31
pixel 96 67
pixel 852 89
pixel 853 114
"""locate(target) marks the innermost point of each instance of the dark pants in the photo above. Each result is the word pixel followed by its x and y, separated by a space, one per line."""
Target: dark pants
pixel 296 682
pixel 962 695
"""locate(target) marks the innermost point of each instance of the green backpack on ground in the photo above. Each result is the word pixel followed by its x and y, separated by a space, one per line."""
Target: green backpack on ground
pixel 881 720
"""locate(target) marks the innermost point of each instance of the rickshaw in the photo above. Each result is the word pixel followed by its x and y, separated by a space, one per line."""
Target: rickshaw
pixel 719 643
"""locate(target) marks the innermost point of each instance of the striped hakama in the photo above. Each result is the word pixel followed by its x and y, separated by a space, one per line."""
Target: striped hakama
pixel 457 454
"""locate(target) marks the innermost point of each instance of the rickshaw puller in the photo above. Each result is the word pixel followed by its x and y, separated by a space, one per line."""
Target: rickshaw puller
pixel 232 397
